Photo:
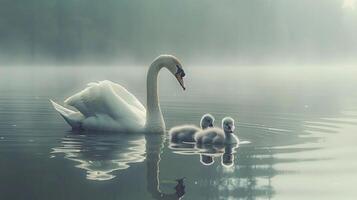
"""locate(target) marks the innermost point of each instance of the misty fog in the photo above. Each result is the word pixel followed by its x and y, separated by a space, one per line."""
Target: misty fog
pixel 61 32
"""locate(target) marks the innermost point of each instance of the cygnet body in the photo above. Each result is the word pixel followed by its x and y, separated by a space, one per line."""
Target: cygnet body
pixel 217 135
pixel 186 133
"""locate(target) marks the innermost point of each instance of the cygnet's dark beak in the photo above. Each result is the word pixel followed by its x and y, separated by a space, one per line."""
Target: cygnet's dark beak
pixel 210 125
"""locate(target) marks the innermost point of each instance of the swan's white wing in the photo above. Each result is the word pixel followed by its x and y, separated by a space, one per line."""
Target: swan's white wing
pixel 109 99
pixel 125 95
pixel 72 118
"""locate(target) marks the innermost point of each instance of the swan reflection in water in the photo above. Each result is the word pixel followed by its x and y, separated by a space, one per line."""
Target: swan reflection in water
pixel 207 152
pixel 154 146
pixel 101 155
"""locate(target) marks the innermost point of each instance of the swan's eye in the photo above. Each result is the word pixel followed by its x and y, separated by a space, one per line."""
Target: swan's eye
pixel 180 71
pixel 183 74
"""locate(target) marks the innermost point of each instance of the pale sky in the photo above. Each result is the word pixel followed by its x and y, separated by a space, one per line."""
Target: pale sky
pixel 226 31
pixel 349 4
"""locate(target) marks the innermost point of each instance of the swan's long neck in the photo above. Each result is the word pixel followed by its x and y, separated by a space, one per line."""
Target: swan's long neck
pixel 154 118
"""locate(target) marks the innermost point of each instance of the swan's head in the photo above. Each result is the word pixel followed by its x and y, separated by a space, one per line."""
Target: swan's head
pixel 174 66
pixel 228 124
pixel 207 121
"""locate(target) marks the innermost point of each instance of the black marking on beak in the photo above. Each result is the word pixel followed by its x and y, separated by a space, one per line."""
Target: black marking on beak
pixel 180 71
pixel 179 75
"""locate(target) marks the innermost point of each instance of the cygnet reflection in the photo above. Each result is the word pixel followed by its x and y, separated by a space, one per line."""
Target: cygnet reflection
pixel 208 153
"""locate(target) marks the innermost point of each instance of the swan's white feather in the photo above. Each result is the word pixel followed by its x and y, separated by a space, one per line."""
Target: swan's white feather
pixel 108 106
pixel 90 100
pixel 72 118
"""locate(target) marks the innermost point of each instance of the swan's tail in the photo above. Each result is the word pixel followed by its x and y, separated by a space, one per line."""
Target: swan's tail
pixel 74 119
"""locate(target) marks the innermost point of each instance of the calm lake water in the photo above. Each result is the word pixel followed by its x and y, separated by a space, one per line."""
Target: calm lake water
pixel 301 123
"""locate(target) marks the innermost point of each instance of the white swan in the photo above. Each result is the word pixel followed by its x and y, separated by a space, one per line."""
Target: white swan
pixel 186 133
pixel 217 135
pixel 110 107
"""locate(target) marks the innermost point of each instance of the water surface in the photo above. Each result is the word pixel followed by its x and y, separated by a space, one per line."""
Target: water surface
pixel 301 123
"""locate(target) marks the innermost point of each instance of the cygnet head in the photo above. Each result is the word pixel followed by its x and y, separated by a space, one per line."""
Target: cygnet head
pixel 228 124
pixel 207 121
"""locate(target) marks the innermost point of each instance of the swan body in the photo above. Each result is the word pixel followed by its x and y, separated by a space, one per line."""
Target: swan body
pixel 98 108
pixel 217 135
pixel 186 133
pixel 108 106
